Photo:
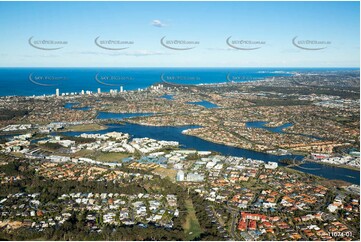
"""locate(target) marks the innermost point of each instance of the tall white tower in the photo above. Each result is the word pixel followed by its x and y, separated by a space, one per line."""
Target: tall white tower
pixel 57 92
pixel 121 88
pixel 99 91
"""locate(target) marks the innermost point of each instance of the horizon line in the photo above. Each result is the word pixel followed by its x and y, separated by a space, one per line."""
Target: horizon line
pixel 317 67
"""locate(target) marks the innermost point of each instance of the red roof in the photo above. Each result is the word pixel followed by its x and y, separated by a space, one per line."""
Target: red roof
pixel 267 224
pixel 253 216
pixel 252 225
pixel 242 225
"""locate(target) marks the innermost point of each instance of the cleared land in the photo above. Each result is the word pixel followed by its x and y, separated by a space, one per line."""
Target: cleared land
pixel 191 225
pixel 164 172
pixel 85 127
pixel 111 156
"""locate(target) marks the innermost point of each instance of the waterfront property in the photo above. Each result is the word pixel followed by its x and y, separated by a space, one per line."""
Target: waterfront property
pixel 190 142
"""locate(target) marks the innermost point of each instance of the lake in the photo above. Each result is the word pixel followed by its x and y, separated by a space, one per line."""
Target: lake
pixel 205 104
pixel 71 106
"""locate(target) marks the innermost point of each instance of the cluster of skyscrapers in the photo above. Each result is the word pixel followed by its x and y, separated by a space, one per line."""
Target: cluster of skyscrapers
pixel 57 92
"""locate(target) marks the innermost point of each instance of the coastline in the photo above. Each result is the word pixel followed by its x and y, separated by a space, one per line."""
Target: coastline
pixel 219 76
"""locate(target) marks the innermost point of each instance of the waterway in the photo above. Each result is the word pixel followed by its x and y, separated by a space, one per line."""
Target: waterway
pixel 168 97
pixel 121 116
pixel 71 106
pixel 262 125
pixel 190 142
pixel 205 104
pixel 278 129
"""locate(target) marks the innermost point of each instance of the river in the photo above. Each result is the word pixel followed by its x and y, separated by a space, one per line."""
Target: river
pixel 171 133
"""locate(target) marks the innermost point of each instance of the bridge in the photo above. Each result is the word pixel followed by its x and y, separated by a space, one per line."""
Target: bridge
pixel 298 164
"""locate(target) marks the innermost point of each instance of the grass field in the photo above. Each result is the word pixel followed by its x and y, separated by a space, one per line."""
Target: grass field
pixel 85 127
pixel 100 156
pixel 85 153
pixel 18 154
pixel 110 156
pixel 166 172
pixel 191 225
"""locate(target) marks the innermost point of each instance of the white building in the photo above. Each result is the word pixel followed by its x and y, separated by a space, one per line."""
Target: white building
pixel 180 175
pixel 332 208
pixel 211 164
pixel 271 165
pixel 194 177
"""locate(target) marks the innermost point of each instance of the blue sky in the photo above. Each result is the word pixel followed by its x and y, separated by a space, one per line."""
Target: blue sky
pixel 209 23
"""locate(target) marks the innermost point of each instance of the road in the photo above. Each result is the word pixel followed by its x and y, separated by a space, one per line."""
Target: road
pixel 234 213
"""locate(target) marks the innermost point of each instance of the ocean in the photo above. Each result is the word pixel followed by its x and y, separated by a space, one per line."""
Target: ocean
pixel 39 81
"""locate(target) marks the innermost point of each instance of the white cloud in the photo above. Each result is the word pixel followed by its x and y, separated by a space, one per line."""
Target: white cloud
pixel 158 23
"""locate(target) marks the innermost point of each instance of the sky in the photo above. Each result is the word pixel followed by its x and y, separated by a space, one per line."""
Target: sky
pixel 280 33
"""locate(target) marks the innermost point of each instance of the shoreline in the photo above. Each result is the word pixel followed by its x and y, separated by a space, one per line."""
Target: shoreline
pixel 198 126
pixel 320 178
pixel 320 163
pixel 107 124
pixel 219 83
pixel 336 165
pixel 234 146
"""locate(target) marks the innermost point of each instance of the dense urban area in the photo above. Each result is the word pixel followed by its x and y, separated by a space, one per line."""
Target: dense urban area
pixel 69 171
